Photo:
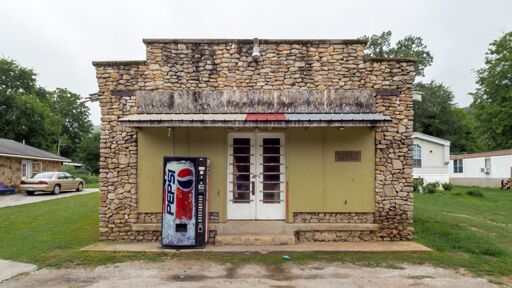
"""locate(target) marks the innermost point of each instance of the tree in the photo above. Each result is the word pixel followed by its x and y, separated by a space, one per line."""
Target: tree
pixel 89 152
pixel 492 100
pixel 408 47
pixel 438 116
pixel 75 119
pixel 23 115
pixel 41 118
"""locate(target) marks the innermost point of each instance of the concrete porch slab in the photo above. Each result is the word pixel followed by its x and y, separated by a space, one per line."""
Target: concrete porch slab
pixel 392 246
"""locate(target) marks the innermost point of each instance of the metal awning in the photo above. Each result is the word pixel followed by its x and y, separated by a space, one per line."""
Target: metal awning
pixel 255 120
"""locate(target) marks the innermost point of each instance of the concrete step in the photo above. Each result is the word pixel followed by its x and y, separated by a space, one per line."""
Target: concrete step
pixel 280 227
pixel 254 240
pixel 252 228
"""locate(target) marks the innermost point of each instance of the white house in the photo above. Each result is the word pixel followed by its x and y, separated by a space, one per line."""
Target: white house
pixel 431 157
pixel 484 169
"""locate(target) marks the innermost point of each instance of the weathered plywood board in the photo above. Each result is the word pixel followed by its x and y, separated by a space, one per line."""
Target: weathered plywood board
pixel 256 101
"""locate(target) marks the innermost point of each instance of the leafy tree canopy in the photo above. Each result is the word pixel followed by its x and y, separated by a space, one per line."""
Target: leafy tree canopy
pixel 39 116
pixel 438 116
pixel 492 100
pixel 379 45
pixel 89 154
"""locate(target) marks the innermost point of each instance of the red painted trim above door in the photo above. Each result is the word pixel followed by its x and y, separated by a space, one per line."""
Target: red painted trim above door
pixel 265 117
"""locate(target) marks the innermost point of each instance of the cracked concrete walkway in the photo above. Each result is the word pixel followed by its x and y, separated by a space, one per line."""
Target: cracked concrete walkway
pixel 9 269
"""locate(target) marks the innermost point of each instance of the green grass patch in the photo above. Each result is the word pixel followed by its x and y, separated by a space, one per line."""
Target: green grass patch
pixel 92 185
pixel 468 232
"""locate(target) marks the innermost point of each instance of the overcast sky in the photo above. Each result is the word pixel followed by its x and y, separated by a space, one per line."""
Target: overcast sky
pixel 59 39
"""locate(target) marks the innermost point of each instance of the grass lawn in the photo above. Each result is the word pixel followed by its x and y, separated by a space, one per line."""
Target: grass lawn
pixel 92 185
pixel 465 231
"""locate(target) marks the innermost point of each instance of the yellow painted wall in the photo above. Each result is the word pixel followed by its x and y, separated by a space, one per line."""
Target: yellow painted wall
pixel 316 183
pixel 154 144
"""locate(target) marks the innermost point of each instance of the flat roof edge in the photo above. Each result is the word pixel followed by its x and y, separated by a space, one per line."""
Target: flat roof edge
pixel 119 63
pixel 389 59
pixel 250 41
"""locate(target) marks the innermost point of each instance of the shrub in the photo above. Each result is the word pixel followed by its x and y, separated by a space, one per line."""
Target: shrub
pixel 82 174
pixel 447 186
pixel 436 184
pixel 430 188
pixel 417 184
pixel 474 193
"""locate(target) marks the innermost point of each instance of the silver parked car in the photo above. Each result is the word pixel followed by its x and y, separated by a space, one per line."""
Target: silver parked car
pixel 54 182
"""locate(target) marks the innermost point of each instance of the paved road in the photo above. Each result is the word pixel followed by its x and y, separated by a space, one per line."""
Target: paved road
pixel 193 273
pixel 22 198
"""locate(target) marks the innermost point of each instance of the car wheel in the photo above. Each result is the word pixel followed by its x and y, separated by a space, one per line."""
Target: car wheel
pixel 30 193
pixel 80 187
pixel 56 189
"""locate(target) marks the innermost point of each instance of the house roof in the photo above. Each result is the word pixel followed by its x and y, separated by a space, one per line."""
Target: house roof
pixel 255 120
pixel 11 148
pixel 430 138
pixel 482 154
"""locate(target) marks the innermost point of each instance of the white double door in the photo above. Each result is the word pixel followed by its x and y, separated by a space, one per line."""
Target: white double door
pixel 256 176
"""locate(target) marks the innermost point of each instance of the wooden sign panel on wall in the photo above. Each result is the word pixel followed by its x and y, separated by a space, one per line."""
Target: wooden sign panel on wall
pixel 347 156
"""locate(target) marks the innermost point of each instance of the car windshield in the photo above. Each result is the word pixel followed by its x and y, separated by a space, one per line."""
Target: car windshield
pixel 45 175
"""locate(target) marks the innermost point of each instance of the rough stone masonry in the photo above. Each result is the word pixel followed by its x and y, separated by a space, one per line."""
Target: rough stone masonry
pixel 204 65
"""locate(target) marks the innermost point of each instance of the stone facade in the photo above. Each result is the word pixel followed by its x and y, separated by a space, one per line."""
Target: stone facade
pixel 185 65
pixel 10 169
pixel 333 217
pixel 336 236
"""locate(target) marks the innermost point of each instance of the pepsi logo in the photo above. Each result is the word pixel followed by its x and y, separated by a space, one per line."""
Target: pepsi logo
pixel 185 179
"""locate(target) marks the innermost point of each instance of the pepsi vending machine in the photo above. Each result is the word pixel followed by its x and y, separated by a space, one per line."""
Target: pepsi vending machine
pixel 184 202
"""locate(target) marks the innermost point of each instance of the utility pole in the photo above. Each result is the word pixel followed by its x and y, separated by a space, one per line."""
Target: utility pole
pixel 58 148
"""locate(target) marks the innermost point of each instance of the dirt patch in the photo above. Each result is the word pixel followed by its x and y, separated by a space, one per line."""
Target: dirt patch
pixel 188 278
pixel 180 273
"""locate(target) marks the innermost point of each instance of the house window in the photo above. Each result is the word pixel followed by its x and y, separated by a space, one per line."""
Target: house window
pixel 36 168
pixel 416 155
pixel 458 166
pixel 487 165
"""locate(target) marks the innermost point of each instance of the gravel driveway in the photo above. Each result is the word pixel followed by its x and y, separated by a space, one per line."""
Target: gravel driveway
pixel 22 198
pixel 209 274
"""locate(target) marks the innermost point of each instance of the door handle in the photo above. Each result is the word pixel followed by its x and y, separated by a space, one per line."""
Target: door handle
pixel 252 188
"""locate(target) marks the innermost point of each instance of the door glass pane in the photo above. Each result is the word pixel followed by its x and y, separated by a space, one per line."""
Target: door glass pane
pixel 271 168
pixel 271 197
pixel 242 141
pixel 271 186
pixel 271 159
pixel 241 169
pixel 271 141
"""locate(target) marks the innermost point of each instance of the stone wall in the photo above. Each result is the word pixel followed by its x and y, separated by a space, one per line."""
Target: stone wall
pixel 318 65
pixel 10 169
pixel 336 236
pixel 330 217
pixel 393 143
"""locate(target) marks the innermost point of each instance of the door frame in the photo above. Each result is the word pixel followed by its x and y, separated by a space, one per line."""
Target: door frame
pixel 256 209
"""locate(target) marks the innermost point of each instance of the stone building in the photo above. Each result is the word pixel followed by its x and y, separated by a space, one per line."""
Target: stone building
pixel 19 161
pixel 310 135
